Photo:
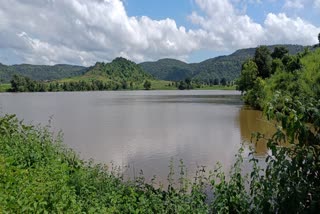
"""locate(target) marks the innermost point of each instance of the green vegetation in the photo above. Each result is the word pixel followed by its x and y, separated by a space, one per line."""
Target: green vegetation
pixel 208 71
pixel 40 72
pixel 287 88
pixel 4 87
pixel 147 85
pixel 296 75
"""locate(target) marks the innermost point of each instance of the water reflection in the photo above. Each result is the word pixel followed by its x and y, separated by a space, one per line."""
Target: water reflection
pixel 252 121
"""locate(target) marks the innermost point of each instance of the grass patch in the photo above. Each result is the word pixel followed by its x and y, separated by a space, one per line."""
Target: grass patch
pixel 4 87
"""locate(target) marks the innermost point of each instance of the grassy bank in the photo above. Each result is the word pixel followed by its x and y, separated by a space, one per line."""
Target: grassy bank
pixel 4 87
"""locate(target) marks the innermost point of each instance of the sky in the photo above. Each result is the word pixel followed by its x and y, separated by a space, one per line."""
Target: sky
pixel 82 32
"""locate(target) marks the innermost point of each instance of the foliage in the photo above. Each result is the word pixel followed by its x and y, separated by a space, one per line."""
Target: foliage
pixel 263 60
pixel 147 85
pixel 292 175
pixel 256 95
pixel 279 52
pixel 283 75
pixel 186 84
pixel 248 75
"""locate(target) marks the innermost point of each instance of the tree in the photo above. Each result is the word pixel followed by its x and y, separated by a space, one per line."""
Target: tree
pixel 277 65
pixel 216 81
pixel 147 85
pixel 248 76
pixel 319 39
pixel 124 85
pixel 18 84
pixel 263 60
pixel 188 83
pixel 279 52
pixel 292 63
pixel 182 85
pixel 223 81
pixel 255 96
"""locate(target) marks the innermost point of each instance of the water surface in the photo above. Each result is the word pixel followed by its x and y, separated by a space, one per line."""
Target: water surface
pixel 144 129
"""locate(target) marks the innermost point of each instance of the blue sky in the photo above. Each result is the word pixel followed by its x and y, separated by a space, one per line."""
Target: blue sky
pixel 83 32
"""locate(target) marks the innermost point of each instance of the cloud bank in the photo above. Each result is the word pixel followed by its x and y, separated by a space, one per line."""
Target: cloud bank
pixel 83 32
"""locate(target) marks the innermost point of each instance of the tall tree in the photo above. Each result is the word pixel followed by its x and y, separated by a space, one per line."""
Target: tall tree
pixel 319 39
pixel 263 60
pixel 223 81
pixel 279 52
pixel 147 85
pixel 248 76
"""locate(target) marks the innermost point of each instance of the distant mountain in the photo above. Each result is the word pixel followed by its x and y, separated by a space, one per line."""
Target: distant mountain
pixel 117 71
pixel 121 69
pixel 228 67
pixel 168 69
pixel 40 72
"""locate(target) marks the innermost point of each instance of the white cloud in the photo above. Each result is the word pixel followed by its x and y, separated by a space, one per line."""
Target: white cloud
pixel 317 4
pixel 83 32
pixel 225 29
pixel 91 30
pixel 282 29
pixel 295 4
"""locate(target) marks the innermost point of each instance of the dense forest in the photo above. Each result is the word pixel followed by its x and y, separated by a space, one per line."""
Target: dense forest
pixel 40 72
pixel 208 71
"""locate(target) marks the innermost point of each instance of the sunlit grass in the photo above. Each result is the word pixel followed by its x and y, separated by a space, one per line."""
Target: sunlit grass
pixel 4 87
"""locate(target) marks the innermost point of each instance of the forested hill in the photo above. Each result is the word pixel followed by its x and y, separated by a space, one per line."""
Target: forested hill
pixel 40 72
pixel 227 67
pixel 119 70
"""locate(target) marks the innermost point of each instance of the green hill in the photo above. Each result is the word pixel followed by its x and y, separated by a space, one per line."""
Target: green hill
pixel 168 69
pixel 119 70
pixel 40 72
pixel 227 67
pixel 120 74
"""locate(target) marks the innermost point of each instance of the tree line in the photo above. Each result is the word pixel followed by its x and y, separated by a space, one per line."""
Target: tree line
pixel 25 84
